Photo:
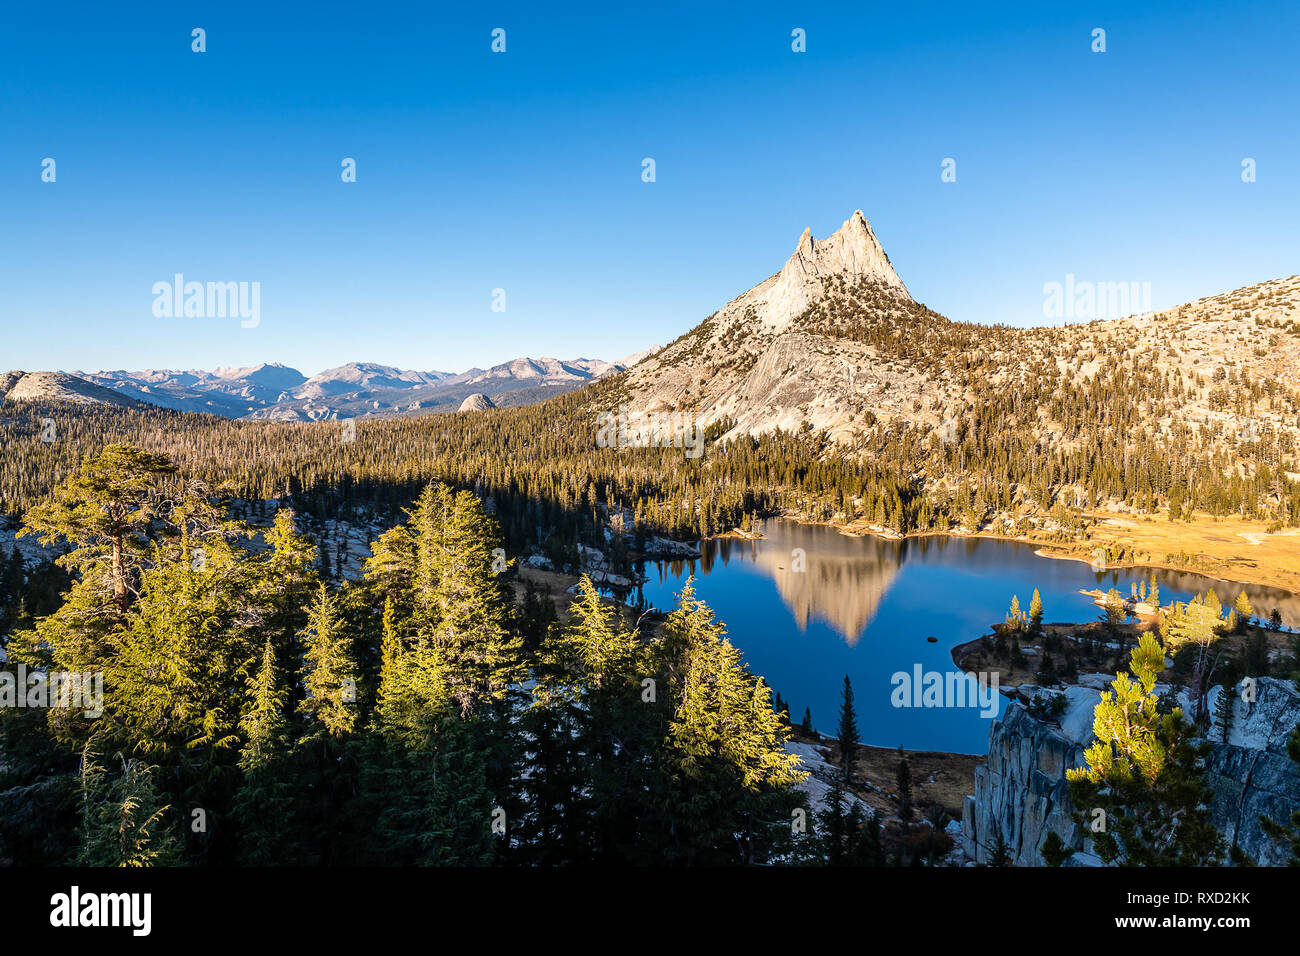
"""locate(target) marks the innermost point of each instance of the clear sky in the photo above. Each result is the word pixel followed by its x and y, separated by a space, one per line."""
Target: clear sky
pixel 523 170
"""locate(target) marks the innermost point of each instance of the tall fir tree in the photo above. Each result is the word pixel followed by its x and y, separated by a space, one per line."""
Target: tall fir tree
pixel 847 735
pixel 330 668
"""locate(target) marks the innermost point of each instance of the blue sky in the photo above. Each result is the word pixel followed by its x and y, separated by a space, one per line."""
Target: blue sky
pixel 522 170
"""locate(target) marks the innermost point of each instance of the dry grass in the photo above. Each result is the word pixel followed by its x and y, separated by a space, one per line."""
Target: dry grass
pixel 1232 549
pixel 937 777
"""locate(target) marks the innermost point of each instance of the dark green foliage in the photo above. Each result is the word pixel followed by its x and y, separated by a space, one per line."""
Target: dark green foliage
pixel 999 852
pixel 903 778
pixel 376 722
pixel 1047 707
pixel 1054 850
pixel 847 735
pixel 849 837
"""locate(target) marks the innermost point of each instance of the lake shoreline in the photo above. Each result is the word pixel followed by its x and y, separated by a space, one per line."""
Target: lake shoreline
pixel 1041 549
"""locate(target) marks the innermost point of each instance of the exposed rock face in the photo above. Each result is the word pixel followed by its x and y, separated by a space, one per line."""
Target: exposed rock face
pixel 852 250
pixel 1021 791
pixel 477 402
pixel 1251 774
pixel 58 386
pixel 834 340
pixel 8 380
pixel 749 360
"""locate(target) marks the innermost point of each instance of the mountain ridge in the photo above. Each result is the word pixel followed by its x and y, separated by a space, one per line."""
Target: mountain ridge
pixel 277 392
pixel 834 341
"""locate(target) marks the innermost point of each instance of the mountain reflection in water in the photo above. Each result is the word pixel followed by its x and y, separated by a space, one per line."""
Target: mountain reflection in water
pixel 864 606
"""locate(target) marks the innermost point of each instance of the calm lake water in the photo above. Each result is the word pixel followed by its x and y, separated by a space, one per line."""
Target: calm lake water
pixel 865 606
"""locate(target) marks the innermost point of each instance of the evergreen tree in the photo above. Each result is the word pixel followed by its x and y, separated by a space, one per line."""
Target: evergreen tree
pixel 473 624
pixel 1223 709
pixel 834 825
pixel 903 777
pixel 999 853
pixel 1142 773
pixel 264 806
pixel 1015 617
pixel 107 510
pixel 330 669
pixel 731 781
pixel 847 735
pixel 124 819
pixel 1054 850
pixel 1244 611
pixel 1036 613
pixel 263 725
pixel 589 723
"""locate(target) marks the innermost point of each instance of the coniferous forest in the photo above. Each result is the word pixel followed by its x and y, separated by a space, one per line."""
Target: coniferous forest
pixel 255 712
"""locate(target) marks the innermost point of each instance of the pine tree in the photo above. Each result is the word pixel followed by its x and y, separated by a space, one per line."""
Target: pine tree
pixel 903 777
pixel 283 588
pixel 847 735
pixel 263 724
pixel 1036 612
pixel 393 670
pixel 1141 772
pixel 1244 611
pixel 108 510
pixel 264 805
pixel 1054 850
pixel 731 780
pixel 436 808
pixel 834 825
pixel 1223 712
pixel 592 732
pixel 1015 617
pixel 999 853
pixel 331 671
pixel 124 819
pixel 473 627
pixel 438 570
pixel 181 658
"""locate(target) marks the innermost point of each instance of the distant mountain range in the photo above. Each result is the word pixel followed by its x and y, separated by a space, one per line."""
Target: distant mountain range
pixel 275 392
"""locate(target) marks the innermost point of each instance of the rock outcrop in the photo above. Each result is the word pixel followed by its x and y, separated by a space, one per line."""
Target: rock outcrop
pixel 835 341
pixel 1251 774
pixel 1021 792
pixel 478 402
pixel 58 387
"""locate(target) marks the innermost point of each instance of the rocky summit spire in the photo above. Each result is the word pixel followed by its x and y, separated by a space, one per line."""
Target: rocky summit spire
pixel 853 250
